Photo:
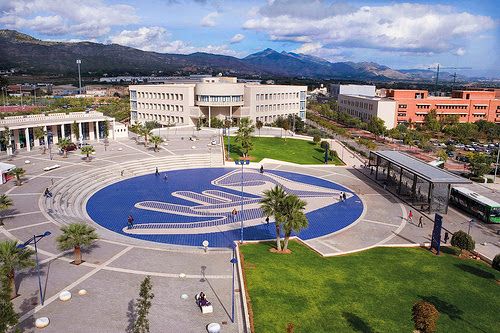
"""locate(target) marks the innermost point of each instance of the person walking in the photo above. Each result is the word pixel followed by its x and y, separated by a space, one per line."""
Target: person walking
pixel 122 173
pixel 410 217
pixel 261 169
pixel 234 212
pixel 446 237
pixel 165 177
pixel 130 222
pixel 420 224
pixel 267 220
pixel 47 193
pixel 344 196
pixel 156 172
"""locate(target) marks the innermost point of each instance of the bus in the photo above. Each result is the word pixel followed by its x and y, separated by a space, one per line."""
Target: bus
pixel 475 204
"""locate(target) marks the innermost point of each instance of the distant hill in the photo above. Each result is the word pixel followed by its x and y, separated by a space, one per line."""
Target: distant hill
pixel 34 56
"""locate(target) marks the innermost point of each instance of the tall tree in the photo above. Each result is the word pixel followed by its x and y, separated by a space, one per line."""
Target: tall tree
pixel 13 258
pixel 376 126
pixel 244 135
pixel 8 316
pixel 293 216
pixel 75 236
pixel 286 127
pixel 479 164
pixel 105 128
pixel 271 205
pixel 40 133
pixel 64 145
pixel 143 305
pixel 5 203
pixel 156 140
pixel 17 172
pixel 146 133
pixel 76 130
pixel 259 125
pixel 431 121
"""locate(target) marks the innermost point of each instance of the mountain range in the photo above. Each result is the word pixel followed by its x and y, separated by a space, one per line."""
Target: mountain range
pixel 29 55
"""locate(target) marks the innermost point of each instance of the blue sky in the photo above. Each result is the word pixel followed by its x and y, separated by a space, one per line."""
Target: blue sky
pixel 396 34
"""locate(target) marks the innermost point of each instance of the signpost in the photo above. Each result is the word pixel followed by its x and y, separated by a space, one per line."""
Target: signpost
pixel 436 233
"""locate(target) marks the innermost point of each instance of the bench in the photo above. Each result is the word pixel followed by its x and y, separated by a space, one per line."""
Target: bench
pixel 52 167
pixel 204 308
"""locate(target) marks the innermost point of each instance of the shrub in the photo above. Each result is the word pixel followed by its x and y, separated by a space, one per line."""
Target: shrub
pixel 496 262
pixel 316 139
pixel 324 145
pixel 463 241
pixel 424 316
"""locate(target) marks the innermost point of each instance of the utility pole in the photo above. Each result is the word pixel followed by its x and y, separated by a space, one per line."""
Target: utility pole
pixel 78 63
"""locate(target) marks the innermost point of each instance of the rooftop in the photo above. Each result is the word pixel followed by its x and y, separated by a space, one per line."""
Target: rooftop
pixel 420 168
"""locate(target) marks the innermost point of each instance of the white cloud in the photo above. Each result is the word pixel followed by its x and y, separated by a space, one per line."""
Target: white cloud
pixel 91 18
pixel 158 39
pixel 210 19
pixel 237 38
pixel 459 52
pixel 414 28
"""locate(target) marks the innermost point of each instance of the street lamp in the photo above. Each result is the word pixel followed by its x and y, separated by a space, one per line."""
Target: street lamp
pixel 78 63
pixel 470 222
pixel 242 162
pixel 233 261
pixel 33 241
pixel 496 165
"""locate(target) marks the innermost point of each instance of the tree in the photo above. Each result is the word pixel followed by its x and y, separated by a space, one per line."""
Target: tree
pixel 76 130
pixel 463 241
pixel 11 259
pixel 87 150
pixel 5 203
pixel 286 127
pixel 145 132
pixel 293 216
pixel 496 262
pixel 479 164
pixel 244 135
pixel 18 172
pixel 259 125
pixel 105 128
pixel 316 139
pixel 64 145
pixel 156 140
pixel 8 316
pixel 40 133
pixel 376 126
pixel 425 316
pixel 431 122
pixel 441 154
pixel 271 205
pixel 152 124
pixel 75 236
pixel 143 304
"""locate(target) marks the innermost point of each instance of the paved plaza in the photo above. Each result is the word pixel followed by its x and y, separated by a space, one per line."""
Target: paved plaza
pixel 173 216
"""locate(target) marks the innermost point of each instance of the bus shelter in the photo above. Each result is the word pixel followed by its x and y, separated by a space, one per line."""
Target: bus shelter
pixel 413 180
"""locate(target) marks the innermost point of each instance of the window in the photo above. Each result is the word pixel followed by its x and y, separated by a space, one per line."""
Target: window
pixel 181 96
pixel 402 106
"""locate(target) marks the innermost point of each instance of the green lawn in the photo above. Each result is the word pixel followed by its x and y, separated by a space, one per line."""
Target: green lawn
pixel 370 291
pixel 289 150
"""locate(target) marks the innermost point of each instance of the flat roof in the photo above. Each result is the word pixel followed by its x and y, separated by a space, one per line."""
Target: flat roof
pixel 420 168
pixel 478 197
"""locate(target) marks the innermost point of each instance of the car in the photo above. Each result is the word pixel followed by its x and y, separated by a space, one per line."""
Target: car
pixel 213 143
pixel 450 154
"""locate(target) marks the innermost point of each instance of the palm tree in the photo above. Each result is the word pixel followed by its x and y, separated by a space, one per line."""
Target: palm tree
pixel 76 235
pixel 5 203
pixel 40 133
pixel 271 205
pixel 87 150
pixel 156 140
pixel 145 132
pixel 12 258
pixel 258 125
pixel 64 144
pixel 293 216
pixel 18 172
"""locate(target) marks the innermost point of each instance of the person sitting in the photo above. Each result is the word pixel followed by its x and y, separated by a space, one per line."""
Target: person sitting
pixel 202 299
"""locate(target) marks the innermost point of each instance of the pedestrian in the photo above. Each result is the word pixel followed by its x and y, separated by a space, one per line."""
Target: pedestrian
pixel 420 224
pixel 130 222
pixel 156 172
pixel 446 237
pixel 340 197
pixel 122 173
pixel 52 181
pixel 261 169
pixel 234 212
pixel 267 220
pixel 410 217
pixel 344 196
pixel 47 193
pixel 165 177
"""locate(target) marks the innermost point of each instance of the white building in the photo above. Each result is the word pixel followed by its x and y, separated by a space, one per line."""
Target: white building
pixel 351 89
pixel 220 97
pixel 367 107
pixel 57 126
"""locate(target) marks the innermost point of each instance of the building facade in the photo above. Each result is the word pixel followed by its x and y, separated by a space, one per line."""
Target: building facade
pixel 351 89
pixel 215 97
pixel 59 125
pixel 468 106
pixel 367 107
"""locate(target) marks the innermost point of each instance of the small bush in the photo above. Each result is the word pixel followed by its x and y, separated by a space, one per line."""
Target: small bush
pixel 324 145
pixel 316 139
pixel 496 262
pixel 477 179
pixel 463 241
pixel 425 316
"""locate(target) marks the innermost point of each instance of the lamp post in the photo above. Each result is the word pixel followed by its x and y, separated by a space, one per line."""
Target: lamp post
pixel 496 165
pixel 242 162
pixel 233 261
pixel 33 241
pixel 78 63
pixel 470 222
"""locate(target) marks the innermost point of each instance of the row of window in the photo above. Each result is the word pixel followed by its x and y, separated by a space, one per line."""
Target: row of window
pixel 355 113
pixel 154 106
pixel 480 107
pixel 270 119
pixel 452 107
pixel 420 106
pixel 161 117
pixel 153 95
pixel 278 96
pixel 277 107
pixel 205 98
pixel 358 104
